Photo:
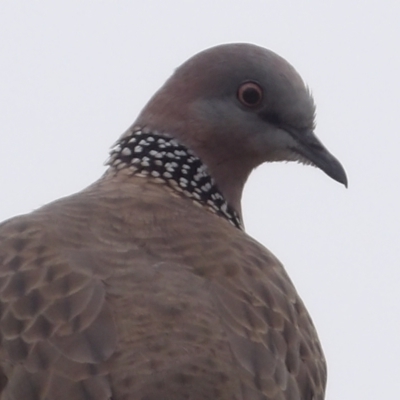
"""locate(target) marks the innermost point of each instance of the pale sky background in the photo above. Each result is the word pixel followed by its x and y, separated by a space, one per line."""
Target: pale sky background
pixel 75 74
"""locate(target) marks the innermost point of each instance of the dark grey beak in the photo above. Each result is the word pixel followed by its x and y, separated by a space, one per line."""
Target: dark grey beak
pixel 310 148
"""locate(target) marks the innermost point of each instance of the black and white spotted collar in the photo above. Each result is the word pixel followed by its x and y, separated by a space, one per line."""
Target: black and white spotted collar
pixel 152 154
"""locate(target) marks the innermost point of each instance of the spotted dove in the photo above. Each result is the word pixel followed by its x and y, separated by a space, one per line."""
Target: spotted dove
pixel 145 285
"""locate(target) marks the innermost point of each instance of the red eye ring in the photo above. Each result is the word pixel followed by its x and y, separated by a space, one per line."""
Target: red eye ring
pixel 250 94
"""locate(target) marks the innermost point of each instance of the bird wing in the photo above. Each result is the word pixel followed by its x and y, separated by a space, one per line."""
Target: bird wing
pixel 271 335
pixel 57 329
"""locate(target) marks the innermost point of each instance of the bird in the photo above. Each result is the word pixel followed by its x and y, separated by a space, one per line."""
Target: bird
pixel 145 285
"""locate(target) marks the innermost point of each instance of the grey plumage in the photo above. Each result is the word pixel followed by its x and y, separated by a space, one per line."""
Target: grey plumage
pixel 136 288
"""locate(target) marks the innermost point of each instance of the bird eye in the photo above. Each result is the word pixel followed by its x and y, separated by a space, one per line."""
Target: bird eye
pixel 250 94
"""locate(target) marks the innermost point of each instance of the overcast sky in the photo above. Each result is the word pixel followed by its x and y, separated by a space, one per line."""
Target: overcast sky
pixel 74 75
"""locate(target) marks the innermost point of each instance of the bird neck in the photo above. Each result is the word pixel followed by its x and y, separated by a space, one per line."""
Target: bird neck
pixel 152 155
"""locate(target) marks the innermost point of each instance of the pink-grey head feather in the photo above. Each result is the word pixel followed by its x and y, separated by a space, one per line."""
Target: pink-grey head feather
pixel 199 105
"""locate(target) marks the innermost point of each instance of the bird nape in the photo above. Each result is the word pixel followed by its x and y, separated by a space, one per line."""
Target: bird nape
pixel 145 285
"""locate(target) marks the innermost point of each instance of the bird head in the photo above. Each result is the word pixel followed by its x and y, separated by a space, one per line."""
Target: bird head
pixel 237 106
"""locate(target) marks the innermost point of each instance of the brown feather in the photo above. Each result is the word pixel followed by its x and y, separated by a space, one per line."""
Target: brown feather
pixel 120 306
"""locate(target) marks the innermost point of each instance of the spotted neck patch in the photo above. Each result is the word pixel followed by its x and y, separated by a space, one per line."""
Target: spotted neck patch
pixel 151 154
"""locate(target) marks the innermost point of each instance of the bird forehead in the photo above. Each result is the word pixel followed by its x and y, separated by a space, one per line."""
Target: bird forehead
pixel 231 64
pixel 218 72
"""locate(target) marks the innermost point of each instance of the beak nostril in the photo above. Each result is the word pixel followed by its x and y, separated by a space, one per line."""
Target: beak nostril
pixel 316 146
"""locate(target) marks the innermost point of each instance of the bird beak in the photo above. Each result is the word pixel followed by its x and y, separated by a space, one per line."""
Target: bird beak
pixel 313 151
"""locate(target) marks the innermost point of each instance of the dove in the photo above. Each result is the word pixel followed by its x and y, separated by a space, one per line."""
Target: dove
pixel 145 284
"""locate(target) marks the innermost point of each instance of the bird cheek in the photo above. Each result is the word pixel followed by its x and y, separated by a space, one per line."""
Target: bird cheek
pixel 274 144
